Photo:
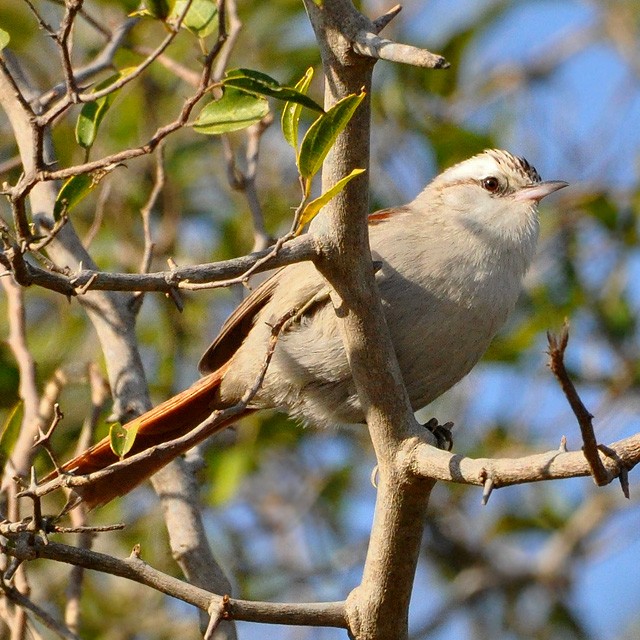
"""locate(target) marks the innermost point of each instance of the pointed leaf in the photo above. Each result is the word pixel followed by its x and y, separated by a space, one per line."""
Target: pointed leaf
pixel 323 133
pixel 76 188
pixel 10 432
pixel 313 207
pixel 291 113
pixel 234 110
pixel 4 39
pixel 92 113
pixel 262 84
pixel 121 439
pixel 200 18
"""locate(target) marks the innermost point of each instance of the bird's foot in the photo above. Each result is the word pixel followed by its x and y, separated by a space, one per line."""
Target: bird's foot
pixel 441 432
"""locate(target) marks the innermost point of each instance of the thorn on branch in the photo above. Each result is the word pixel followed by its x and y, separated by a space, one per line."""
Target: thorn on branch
pixel 488 486
pixel 218 611
pixel 563 445
pixel 622 471
pixel 14 565
pixel 380 23
pixel 174 295
pixel 557 348
pixel 623 476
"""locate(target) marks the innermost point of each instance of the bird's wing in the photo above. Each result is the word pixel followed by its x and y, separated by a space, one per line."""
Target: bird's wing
pixel 237 326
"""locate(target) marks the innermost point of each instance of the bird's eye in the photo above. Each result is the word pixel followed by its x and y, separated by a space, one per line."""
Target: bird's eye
pixel 491 184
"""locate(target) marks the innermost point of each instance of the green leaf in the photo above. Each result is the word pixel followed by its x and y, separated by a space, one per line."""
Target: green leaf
pixel 76 188
pixel 291 113
pixel 200 18
pixel 10 432
pixel 312 208
pixel 233 111
pixel 264 85
pixel 323 133
pixel 4 39
pixel 121 439
pixel 92 113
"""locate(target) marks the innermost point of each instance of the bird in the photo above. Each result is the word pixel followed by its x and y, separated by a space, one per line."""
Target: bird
pixel 449 270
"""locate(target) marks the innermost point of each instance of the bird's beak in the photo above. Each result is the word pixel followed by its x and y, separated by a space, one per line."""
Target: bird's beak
pixel 541 190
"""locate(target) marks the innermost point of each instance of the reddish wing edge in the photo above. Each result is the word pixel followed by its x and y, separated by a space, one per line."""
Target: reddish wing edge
pixel 170 420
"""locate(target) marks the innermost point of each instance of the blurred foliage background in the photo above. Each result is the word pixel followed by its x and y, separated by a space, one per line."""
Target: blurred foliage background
pixel 288 509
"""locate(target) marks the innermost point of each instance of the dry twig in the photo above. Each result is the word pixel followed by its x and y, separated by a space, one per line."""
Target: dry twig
pixel 557 348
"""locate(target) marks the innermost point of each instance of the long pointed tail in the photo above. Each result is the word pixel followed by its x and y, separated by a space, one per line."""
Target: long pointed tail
pixel 170 420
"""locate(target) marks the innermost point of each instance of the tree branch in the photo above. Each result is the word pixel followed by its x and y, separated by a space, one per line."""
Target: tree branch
pixel 427 462
pixel 328 614
pixel 378 607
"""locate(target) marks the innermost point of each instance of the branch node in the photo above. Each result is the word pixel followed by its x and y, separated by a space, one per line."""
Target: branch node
pixel 218 610
pixel 82 289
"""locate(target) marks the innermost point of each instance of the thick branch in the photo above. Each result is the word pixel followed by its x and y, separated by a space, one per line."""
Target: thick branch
pixel 378 607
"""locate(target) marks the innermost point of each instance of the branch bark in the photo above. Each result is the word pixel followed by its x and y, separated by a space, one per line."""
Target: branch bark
pixel 378 607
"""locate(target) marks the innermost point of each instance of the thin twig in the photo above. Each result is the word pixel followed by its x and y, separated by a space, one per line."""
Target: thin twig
pixel 56 110
pixel 145 214
pixel 557 348
pixel 229 271
pixel 63 40
pixel 46 618
pixel 246 182
pixel 103 61
pixel 98 215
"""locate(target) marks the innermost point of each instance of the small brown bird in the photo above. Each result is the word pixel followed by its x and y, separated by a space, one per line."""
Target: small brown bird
pixel 451 267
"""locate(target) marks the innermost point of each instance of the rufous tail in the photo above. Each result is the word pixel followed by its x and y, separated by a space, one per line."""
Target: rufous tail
pixel 170 420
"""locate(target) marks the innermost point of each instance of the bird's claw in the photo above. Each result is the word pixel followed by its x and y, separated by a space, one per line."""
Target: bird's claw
pixel 441 432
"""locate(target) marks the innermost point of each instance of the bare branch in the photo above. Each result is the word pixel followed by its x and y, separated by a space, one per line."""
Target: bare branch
pixel 47 619
pixel 557 348
pixel 330 614
pixel 215 274
pixel 145 213
pixel 22 454
pixel 103 61
pixel 246 182
pixel 73 97
pixel 63 39
pixel 429 462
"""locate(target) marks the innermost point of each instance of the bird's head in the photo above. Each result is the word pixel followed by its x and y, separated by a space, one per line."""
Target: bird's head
pixel 493 192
